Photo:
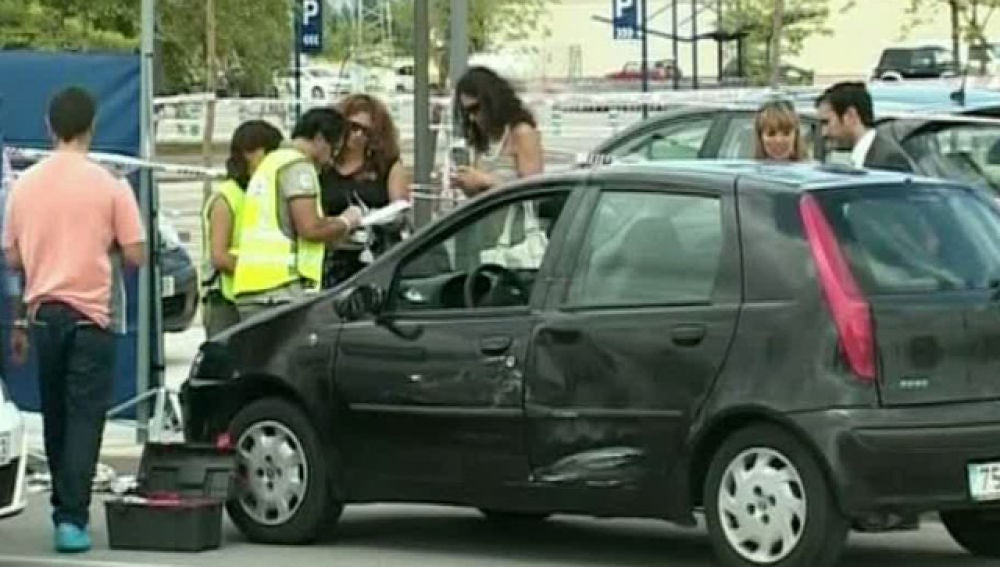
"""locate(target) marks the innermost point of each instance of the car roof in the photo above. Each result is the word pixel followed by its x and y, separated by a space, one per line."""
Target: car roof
pixel 890 102
pixel 899 98
pixel 793 177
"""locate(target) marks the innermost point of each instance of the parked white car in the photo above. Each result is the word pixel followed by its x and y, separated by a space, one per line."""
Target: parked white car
pixel 318 83
pixel 404 77
pixel 13 457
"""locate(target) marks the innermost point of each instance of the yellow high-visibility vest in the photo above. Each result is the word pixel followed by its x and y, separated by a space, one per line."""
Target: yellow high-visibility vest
pixel 269 259
pixel 231 193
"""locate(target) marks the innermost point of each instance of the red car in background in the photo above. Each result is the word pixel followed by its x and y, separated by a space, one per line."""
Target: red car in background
pixel 661 70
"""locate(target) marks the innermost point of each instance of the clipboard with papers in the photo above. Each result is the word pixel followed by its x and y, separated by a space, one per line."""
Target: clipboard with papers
pixel 385 215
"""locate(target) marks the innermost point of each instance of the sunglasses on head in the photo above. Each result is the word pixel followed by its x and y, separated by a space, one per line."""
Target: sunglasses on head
pixel 471 109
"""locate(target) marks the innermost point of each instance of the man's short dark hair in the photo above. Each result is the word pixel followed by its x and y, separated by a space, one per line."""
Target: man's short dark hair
pixel 326 122
pixel 842 96
pixel 71 113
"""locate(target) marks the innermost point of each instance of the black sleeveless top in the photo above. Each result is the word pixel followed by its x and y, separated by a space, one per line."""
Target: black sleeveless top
pixel 340 191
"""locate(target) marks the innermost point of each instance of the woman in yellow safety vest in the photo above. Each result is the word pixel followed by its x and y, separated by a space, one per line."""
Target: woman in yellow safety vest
pixel 251 142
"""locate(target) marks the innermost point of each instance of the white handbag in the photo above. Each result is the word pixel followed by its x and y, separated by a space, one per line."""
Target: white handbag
pixel 526 254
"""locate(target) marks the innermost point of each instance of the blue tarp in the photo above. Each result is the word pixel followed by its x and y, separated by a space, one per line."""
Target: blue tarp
pixel 27 82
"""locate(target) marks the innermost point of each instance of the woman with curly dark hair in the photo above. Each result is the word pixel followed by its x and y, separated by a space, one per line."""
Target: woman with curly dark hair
pixel 499 129
pixel 367 172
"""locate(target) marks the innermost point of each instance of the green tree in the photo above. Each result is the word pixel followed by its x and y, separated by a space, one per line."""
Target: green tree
pixel 64 25
pixel 800 20
pixel 253 39
pixel 491 24
pixel 969 19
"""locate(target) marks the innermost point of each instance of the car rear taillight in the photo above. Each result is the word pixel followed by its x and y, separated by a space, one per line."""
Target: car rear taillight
pixel 850 310
pixel 224 441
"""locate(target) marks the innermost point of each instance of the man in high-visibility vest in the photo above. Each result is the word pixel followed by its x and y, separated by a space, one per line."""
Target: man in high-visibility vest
pixel 283 234
pixel 220 218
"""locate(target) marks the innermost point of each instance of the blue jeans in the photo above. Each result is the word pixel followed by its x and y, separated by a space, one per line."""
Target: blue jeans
pixel 75 374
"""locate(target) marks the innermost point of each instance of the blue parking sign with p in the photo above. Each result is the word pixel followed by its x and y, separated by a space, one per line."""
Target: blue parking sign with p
pixel 625 17
pixel 311 26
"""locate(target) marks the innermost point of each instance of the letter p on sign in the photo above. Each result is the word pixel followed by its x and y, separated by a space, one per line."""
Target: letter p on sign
pixel 310 9
pixel 622 6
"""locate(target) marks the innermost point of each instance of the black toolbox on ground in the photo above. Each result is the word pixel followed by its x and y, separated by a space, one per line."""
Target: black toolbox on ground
pixel 178 504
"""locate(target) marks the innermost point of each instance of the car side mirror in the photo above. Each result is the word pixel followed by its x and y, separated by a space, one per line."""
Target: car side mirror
pixel 358 302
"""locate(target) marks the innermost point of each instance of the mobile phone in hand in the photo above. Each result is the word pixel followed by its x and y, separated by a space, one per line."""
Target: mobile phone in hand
pixel 460 156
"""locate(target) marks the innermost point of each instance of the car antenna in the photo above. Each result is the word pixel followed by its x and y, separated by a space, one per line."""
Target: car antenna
pixel 959 95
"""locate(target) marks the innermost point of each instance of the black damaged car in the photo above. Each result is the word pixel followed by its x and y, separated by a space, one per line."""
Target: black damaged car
pixel 794 351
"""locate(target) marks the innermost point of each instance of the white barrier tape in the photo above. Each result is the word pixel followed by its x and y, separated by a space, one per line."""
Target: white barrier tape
pixel 578 99
pixel 562 101
pixel 125 165
pixel 635 102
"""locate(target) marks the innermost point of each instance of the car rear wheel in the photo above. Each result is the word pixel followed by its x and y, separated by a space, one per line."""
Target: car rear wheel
pixel 768 503
pixel 975 530
pixel 317 93
pixel 282 490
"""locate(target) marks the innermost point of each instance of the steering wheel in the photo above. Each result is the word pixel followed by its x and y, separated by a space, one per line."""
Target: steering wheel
pixel 497 278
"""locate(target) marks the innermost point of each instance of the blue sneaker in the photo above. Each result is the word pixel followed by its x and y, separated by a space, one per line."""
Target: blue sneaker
pixel 71 539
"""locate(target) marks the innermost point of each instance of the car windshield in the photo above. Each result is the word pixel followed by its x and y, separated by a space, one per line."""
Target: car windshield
pixel 917 239
pixel 963 152
pixel 321 73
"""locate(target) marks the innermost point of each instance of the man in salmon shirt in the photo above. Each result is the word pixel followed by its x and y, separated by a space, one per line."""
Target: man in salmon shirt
pixel 65 216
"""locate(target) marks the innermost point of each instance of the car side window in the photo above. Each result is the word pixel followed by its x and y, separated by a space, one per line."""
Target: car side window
pixel 649 249
pixel 738 141
pixel 676 140
pixel 489 261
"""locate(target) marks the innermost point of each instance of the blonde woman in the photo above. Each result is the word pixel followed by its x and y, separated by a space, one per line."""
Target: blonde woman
pixel 777 135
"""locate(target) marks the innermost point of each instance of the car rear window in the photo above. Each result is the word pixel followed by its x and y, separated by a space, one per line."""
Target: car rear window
pixel 917 239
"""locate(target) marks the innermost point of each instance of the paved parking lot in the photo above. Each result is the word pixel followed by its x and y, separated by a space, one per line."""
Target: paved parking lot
pixel 391 536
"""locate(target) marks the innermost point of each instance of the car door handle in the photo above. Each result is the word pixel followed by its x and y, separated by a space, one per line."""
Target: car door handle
pixel 687 335
pixel 561 334
pixel 495 345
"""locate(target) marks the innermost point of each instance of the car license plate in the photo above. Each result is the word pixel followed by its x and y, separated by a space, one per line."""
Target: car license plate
pixel 4 448
pixel 169 287
pixel 984 481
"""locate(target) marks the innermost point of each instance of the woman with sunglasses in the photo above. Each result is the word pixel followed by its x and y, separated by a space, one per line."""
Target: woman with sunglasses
pixel 502 133
pixel 367 172
pixel 777 133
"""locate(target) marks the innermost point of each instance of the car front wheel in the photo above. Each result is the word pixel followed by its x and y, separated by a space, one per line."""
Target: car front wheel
pixel 282 490
pixel 768 503
pixel 975 530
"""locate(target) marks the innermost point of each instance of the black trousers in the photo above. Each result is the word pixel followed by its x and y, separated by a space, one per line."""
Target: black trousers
pixel 75 372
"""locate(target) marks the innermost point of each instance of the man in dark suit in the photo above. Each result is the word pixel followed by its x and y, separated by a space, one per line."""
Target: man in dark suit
pixel 848 121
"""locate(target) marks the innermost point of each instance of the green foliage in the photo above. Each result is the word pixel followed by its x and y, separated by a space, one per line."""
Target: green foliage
pixel 253 37
pixel 65 25
pixel 973 16
pixel 491 24
pixel 802 20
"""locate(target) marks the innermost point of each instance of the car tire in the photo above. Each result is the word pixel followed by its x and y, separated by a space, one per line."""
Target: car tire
pixel 974 530
pixel 803 502
pixel 317 93
pixel 507 517
pixel 300 478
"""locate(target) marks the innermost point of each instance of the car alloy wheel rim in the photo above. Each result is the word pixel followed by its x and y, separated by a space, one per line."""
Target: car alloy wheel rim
pixel 273 471
pixel 762 505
